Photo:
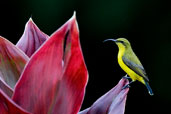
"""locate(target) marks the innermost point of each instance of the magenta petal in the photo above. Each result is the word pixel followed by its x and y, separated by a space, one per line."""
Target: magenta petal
pixel 12 62
pixel 113 102
pixel 32 38
pixel 50 86
pixel 7 106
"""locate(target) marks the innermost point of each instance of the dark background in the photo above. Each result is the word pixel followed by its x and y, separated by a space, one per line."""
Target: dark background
pixel 145 23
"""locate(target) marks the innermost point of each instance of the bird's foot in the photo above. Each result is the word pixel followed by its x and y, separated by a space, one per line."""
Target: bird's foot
pixel 126 77
pixel 126 86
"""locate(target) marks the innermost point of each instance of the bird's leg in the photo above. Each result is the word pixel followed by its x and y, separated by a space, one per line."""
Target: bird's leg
pixel 128 85
pixel 126 77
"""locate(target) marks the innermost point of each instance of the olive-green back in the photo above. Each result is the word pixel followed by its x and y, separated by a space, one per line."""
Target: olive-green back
pixel 132 61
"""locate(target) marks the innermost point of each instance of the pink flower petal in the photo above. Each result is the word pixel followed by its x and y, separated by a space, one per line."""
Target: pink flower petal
pixel 118 104
pixel 32 38
pixel 7 106
pixel 49 85
pixel 113 102
pixel 12 62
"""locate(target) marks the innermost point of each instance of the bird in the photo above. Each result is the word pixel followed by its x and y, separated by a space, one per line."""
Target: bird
pixel 130 63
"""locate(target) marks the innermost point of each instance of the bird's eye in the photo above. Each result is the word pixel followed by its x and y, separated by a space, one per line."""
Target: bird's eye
pixel 122 42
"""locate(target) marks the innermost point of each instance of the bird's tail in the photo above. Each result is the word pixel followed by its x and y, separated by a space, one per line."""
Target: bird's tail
pixel 149 88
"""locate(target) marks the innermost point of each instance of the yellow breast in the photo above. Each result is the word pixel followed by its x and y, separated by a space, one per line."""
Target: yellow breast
pixel 130 72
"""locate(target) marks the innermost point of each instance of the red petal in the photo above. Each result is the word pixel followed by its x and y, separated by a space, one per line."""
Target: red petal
pixel 7 106
pixel 113 102
pixel 74 80
pixel 12 62
pixel 5 88
pixel 32 38
pixel 47 85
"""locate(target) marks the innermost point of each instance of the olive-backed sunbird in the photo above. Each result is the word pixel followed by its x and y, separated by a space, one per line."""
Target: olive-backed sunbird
pixel 130 63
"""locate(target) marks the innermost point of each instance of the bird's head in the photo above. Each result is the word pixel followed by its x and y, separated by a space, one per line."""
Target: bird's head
pixel 121 42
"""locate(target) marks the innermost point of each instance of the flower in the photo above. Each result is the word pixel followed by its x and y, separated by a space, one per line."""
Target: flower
pixel 48 75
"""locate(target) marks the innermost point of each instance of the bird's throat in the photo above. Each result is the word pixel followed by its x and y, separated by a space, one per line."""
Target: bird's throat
pixel 121 51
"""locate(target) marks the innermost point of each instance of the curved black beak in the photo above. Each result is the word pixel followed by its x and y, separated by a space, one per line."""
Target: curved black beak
pixel 110 40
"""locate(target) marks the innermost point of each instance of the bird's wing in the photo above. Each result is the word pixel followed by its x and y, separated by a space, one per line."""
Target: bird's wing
pixel 134 64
